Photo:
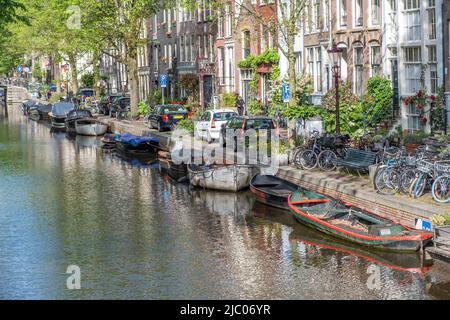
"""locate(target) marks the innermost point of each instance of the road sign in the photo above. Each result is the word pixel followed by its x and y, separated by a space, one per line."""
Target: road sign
pixel 19 69
pixel 286 92
pixel 163 81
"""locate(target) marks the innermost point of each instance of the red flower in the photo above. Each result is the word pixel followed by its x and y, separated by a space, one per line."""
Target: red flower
pixel 432 98
pixel 420 106
pixel 419 94
pixel 424 120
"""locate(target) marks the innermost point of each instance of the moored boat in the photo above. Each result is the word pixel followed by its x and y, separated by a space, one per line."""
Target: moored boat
pixel 39 111
pixel 272 191
pixel 220 177
pixel 346 221
pixel 73 116
pixel 131 146
pixel 90 127
pixel 59 113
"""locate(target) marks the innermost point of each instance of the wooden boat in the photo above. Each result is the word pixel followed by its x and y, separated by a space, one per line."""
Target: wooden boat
pixel 343 220
pixel 59 113
pixel 220 177
pixel 90 127
pixel 142 148
pixel 272 191
pixel 75 115
pixel 39 111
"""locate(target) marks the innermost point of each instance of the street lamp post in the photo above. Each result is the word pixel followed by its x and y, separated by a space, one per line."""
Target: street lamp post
pixel 335 55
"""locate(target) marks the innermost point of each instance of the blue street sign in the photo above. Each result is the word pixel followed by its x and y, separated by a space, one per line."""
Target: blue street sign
pixel 286 92
pixel 19 69
pixel 163 81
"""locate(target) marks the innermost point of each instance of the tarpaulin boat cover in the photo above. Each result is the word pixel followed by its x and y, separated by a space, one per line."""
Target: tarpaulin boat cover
pixel 44 108
pixel 62 108
pixel 135 141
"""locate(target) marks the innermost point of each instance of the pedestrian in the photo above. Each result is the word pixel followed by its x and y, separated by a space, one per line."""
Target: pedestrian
pixel 240 104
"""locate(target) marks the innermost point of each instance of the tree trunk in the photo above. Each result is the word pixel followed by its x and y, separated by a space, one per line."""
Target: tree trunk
pixel 74 73
pixel 133 84
pixel 291 54
pixel 57 76
pixel 97 78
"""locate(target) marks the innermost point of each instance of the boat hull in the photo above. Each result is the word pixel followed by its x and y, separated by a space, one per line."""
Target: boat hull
pixel 412 241
pixel 226 178
pixel 90 129
pixel 57 122
pixel 274 193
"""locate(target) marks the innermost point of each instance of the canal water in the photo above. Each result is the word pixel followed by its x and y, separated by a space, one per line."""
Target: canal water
pixel 136 234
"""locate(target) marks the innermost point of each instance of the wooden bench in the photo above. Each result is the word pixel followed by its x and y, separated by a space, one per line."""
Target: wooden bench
pixel 357 160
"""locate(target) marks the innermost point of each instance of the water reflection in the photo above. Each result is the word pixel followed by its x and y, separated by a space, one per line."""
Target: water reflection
pixel 137 234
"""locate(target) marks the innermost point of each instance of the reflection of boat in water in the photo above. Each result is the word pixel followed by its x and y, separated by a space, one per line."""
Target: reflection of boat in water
pixel 223 203
pixel 87 142
pixel 408 262
pixel 223 177
pixel 354 224
pixel 177 172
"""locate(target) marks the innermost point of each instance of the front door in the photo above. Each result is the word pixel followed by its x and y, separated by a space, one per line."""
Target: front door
pixel 395 97
pixel 208 90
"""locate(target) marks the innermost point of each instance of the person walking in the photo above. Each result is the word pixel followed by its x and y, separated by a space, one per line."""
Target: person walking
pixel 240 104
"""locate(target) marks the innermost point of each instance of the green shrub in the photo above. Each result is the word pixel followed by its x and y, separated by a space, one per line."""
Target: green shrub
pixel 55 98
pixel 229 100
pixel 415 138
pixel 186 124
pixel 143 108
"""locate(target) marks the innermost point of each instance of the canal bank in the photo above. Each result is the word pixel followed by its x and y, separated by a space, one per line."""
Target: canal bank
pixel 136 234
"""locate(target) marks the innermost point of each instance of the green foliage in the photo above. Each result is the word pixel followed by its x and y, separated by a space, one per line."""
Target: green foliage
pixel 254 107
pixel 186 124
pixel 87 80
pixel 143 108
pixel 351 111
pixel 55 98
pixel 378 100
pixel 229 100
pixel 437 112
pixel 441 220
pixel 415 138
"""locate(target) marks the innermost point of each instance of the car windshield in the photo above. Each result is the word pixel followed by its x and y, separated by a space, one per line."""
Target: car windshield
pixel 172 109
pixel 224 116
pixel 87 93
pixel 259 124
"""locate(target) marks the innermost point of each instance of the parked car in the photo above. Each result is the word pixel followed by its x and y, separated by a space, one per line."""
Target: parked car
pixel 85 93
pixel 243 124
pixel 105 102
pixel 120 106
pixel 166 116
pixel 209 125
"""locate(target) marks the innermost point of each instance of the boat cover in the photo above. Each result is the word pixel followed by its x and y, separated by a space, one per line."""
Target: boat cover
pixel 62 108
pixel 44 108
pixel 135 141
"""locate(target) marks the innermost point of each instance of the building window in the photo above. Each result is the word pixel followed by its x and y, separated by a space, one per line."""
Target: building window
pixel 316 15
pixel 245 44
pixel 220 25
pixel 411 4
pixel 358 62
pixel 263 34
pixel 431 12
pixel 326 11
pixel 187 56
pixel 432 62
pixel 211 48
pixel 231 67
pixel 221 57
pixel 412 25
pixel 358 13
pixel 413 114
pixel 181 48
pixel 228 22
pixel 298 63
pixel 376 12
pixel 375 60
pixel 413 71
pixel 343 13
pixel 315 67
pixel 193 53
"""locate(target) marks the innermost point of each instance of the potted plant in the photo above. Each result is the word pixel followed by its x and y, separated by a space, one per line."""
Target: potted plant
pixel 413 141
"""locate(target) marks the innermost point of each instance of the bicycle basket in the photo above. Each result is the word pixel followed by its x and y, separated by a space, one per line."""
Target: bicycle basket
pixel 442 166
pixel 424 166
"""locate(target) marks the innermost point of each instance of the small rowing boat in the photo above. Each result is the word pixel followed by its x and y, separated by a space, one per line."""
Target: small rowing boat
pixel 272 191
pixel 220 177
pixel 346 221
pixel 90 127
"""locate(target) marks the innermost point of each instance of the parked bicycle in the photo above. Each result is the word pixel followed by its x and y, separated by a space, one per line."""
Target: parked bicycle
pixel 333 147
pixel 441 185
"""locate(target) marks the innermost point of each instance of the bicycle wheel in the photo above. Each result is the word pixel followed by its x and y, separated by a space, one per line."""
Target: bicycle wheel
pixel 420 186
pixel 406 178
pixel 387 181
pixel 441 189
pixel 308 159
pixel 327 160
pixel 296 158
